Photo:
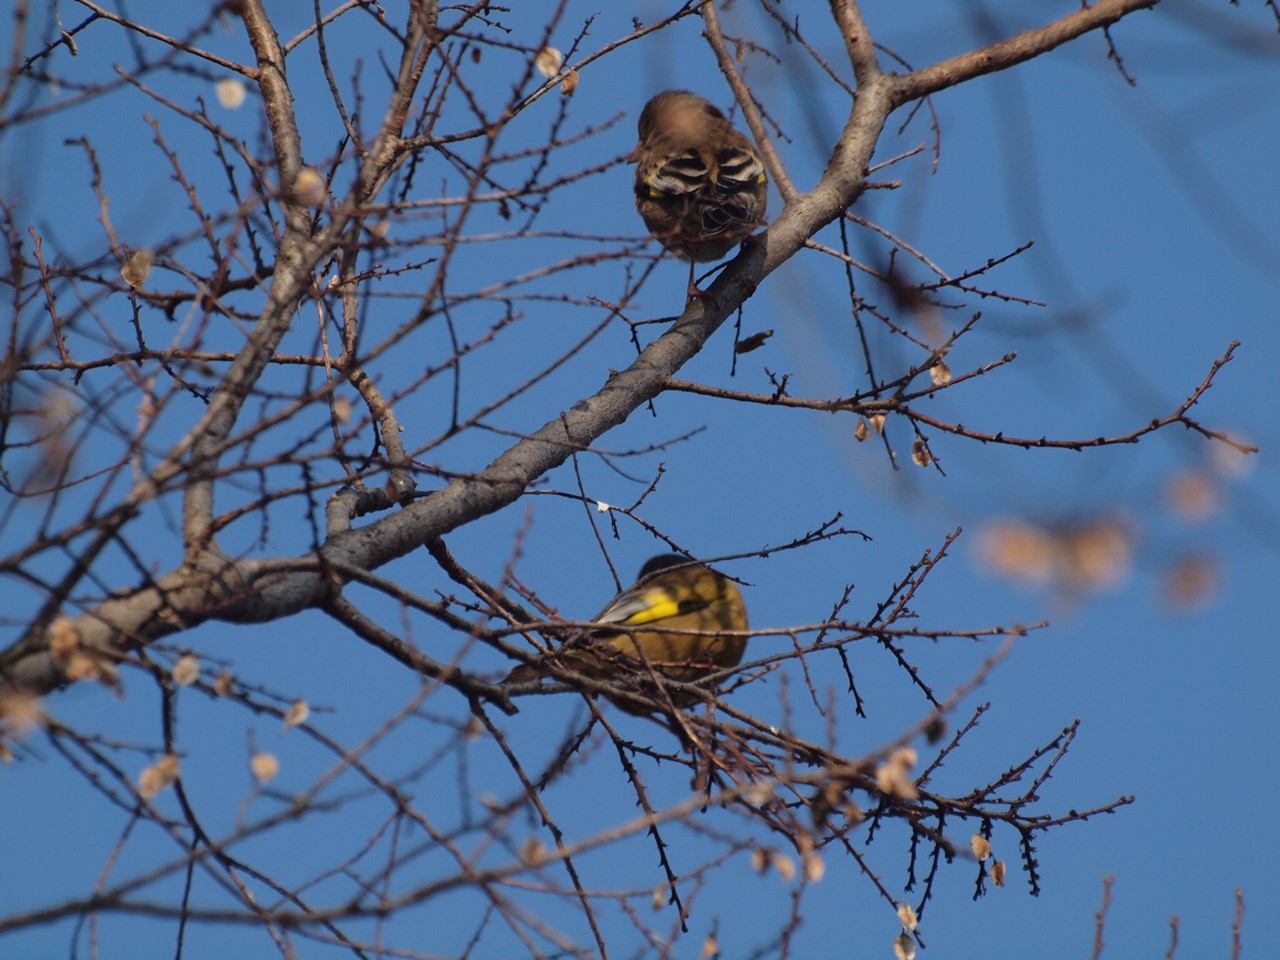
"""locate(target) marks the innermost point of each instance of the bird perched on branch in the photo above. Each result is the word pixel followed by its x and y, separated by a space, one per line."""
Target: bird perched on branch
pixel 700 184
pixel 672 599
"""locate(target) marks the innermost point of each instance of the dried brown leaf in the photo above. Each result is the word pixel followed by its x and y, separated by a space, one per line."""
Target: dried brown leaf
pixel 264 767
pixel 230 92
pixel 309 187
pixel 815 868
pixel 137 268
pixel 981 846
pixel 753 342
pixel 920 454
pixel 907 914
pixel 296 714
pixel 532 852
pixel 548 61
pixel 186 670
pixel 158 776
pixel 63 638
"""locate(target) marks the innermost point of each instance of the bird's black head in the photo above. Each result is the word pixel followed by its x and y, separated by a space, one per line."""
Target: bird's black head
pixel 661 562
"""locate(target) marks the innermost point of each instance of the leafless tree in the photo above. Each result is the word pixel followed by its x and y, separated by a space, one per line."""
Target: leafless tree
pixel 260 413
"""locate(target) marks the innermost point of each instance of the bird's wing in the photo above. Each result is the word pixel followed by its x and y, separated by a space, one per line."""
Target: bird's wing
pixel 673 175
pixel 738 169
pixel 649 603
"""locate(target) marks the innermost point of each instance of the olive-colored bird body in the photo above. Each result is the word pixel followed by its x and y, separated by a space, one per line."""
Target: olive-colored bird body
pixel 700 184
pixel 702 607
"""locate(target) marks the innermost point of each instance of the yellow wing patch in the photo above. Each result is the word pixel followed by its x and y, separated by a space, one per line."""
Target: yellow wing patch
pixel 657 605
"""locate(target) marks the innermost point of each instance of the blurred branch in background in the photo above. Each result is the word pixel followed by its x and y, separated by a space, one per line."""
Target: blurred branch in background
pixel 298 349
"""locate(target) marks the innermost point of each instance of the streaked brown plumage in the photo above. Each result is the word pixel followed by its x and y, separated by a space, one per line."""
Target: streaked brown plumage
pixel 700 184
pixel 670 593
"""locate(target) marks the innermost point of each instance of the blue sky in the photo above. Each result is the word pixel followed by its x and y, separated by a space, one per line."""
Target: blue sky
pixel 1153 210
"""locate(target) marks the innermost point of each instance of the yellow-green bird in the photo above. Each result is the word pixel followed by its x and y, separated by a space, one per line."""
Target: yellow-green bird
pixel 700 184
pixel 672 593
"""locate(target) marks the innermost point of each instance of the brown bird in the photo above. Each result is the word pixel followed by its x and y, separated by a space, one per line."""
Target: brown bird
pixel 700 184
pixel 670 594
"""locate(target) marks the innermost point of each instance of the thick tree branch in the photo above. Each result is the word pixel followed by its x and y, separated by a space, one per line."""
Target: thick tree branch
pixel 1013 51
pixel 250 591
